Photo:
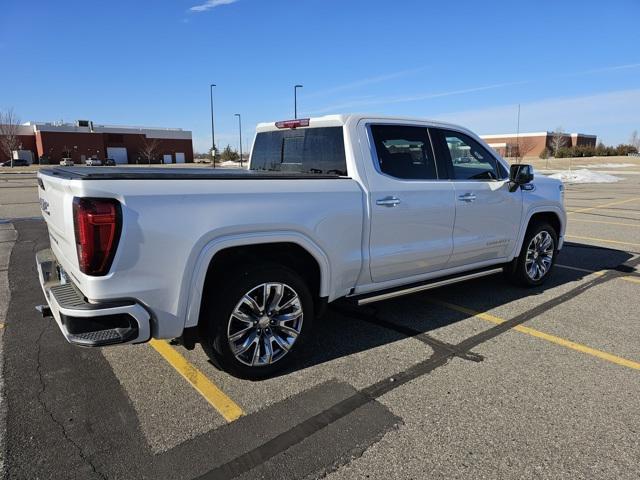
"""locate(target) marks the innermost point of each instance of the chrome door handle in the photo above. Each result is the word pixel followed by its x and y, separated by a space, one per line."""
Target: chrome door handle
pixel 467 197
pixel 388 201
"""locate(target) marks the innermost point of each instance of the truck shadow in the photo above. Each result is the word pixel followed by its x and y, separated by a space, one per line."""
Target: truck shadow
pixel 347 330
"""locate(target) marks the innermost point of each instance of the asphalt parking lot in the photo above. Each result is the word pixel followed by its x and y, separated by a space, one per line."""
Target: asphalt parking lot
pixel 475 380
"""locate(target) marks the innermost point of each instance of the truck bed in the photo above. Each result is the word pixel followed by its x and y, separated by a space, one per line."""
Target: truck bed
pixel 171 225
pixel 163 173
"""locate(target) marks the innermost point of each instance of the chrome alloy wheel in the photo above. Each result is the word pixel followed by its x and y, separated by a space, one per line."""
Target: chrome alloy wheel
pixel 265 324
pixel 539 255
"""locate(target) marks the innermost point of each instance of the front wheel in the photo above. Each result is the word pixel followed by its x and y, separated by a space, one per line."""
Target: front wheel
pixel 537 256
pixel 257 323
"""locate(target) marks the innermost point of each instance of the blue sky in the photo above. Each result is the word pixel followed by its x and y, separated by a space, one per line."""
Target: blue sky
pixel 574 64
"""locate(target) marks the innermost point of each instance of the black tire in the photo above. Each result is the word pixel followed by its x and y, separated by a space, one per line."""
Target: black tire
pixel 516 270
pixel 222 299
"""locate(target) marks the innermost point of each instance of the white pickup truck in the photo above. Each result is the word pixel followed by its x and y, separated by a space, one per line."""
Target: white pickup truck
pixel 352 206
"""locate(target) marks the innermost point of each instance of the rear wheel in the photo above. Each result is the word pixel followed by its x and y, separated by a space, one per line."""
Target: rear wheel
pixel 258 321
pixel 537 256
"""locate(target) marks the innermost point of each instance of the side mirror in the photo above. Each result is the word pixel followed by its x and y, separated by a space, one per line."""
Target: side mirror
pixel 520 174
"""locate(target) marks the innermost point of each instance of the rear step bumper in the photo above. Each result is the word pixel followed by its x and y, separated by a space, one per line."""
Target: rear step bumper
pixel 428 285
pixel 89 324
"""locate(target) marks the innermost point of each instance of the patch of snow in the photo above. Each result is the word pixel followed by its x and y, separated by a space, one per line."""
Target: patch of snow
pixel 231 164
pixel 584 176
pixel 608 165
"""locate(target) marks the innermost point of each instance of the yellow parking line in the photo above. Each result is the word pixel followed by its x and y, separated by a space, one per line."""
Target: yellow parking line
pixel 212 394
pixel 605 223
pixel 598 273
pixel 545 336
pixel 621 211
pixel 610 204
pixel 595 239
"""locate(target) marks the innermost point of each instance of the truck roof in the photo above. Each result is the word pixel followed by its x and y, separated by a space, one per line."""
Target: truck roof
pixel 339 120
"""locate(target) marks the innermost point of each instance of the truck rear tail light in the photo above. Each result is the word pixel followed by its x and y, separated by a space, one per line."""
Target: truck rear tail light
pixel 300 122
pixel 97 224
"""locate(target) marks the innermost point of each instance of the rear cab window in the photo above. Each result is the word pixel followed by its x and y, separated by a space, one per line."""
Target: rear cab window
pixel 315 150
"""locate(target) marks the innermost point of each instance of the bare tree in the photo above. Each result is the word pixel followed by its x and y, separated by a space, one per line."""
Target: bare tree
pixel 229 154
pixel 558 140
pixel 524 146
pixel 635 139
pixel 149 148
pixel 9 129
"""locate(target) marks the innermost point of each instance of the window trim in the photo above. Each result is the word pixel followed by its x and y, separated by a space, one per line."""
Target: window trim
pixel 440 131
pixel 373 152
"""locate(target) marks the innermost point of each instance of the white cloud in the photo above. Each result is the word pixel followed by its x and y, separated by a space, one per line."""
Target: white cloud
pixel 606 69
pixel 352 103
pixel 366 81
pixel 411 98
pixel 209 4
pixel 610 115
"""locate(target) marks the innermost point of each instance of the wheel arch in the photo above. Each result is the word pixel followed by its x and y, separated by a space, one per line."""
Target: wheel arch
pixel 289 248
pixel 553 216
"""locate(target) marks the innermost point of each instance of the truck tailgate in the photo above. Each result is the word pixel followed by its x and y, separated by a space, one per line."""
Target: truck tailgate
pixel 56 201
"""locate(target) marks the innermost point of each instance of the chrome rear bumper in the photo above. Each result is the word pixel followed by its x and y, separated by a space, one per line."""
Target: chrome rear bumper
pixel 90 324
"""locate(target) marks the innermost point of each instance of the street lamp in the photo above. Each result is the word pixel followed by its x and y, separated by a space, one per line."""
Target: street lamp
pixel 213 136
pixel 295 100
pixel 240 130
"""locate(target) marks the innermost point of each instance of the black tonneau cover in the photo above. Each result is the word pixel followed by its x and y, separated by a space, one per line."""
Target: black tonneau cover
pixel 164 173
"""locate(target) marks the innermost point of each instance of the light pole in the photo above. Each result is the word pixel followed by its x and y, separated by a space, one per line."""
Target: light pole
pixel 213 135
pixel 240 130
pixel 295 100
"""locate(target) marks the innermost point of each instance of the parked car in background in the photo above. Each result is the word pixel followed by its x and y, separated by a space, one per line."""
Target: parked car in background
pixel 66 162
pixel 93 162
pixel 17 162
pixel 343 206
pixel 109 162
pixel 201 160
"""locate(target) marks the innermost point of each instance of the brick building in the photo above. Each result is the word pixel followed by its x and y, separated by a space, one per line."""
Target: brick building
pixel 51 142
pixel 534 143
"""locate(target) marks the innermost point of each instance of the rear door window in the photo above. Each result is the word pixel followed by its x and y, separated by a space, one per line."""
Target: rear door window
pixel 307 150
pixel 404 152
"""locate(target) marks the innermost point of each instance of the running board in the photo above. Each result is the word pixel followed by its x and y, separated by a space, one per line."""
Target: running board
pixel 387 294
